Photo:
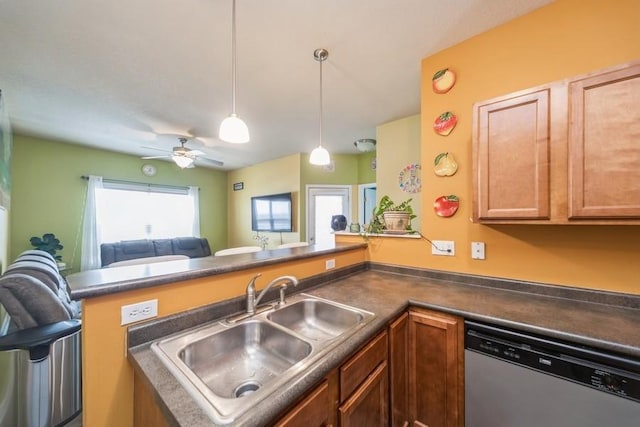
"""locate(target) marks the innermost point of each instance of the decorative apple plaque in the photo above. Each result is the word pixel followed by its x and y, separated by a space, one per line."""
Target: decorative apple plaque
pixel 446 206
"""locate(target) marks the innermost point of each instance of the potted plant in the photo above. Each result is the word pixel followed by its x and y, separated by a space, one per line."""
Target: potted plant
pixel 48 243
pixel 390 217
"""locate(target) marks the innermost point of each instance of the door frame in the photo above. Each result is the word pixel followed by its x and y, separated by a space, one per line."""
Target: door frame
pixel 310 187
pixel 361 188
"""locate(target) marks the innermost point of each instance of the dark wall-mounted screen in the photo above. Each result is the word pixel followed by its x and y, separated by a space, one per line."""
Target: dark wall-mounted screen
pixel 272 213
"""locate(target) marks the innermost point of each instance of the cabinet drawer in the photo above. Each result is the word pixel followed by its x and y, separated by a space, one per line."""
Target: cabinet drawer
pixel 359 367
pixel 312 411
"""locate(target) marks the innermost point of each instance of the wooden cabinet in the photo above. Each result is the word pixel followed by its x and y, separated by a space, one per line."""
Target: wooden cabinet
pixel 562 153
pixel 364 386
pixel 436 379
pixel 512 148
pixel 313 411
pixel 355 394
pixel 604 145
pixel 368 404
pixel 399 371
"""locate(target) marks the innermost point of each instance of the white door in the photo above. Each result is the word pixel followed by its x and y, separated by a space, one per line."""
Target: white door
pixel 323 202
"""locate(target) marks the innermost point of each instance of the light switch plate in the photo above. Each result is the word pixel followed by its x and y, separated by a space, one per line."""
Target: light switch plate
pixel 331 263
pixel 477 250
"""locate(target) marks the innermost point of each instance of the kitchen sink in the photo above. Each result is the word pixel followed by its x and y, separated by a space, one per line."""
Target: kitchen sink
pixel 227 368
pixel 316 319
pixel 239 360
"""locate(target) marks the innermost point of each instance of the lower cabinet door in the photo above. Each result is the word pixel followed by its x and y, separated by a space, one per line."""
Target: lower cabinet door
pixel 369 404
pixel 436 380
pixel 313 411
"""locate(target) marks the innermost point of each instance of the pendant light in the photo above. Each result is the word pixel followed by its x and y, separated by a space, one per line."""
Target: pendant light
pixel 320 156
pixel 233 129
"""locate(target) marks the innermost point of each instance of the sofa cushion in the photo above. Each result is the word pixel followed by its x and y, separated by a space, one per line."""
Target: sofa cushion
pixel 163 247
pixel 193 247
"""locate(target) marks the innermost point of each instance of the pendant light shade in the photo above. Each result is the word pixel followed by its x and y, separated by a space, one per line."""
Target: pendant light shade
pixel 233 129
pixel 320 156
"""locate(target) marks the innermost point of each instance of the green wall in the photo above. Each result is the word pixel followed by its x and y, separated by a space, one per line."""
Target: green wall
pixel 366 175
pixel 48 194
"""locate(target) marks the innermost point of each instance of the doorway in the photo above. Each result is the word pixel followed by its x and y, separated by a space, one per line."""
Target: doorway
pixel 323 202
pixel 367 194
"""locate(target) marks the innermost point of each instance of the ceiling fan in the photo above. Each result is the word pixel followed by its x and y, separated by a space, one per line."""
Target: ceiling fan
pixel 183 156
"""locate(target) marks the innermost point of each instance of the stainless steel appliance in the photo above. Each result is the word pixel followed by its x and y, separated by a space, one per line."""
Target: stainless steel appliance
pixel 40 384
pixel 517 379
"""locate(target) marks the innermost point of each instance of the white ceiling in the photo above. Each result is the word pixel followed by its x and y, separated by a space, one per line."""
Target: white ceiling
pixel 124 74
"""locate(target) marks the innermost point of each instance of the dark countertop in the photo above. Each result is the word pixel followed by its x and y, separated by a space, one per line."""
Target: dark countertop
pixel 106 281
pixel 387 294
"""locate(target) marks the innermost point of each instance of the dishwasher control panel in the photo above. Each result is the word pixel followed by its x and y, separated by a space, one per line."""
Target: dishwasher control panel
pixel 559 359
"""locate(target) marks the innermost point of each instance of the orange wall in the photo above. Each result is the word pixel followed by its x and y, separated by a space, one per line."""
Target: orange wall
pixel 108 376
pixel 566 38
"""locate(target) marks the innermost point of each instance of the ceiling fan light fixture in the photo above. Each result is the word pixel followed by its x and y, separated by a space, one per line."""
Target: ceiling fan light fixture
pixel 234 130
pixel 320 156
pixel 182 161
pixel 366 144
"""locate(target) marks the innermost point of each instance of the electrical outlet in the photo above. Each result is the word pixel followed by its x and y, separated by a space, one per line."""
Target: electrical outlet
pixel 331 263
pixel 477 250
pixel 138 311
pixel 443 247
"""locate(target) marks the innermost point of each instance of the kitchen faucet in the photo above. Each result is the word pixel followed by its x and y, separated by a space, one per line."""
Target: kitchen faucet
pixel 252 301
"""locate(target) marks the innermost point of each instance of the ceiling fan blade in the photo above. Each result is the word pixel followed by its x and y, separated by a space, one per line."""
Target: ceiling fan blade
pixel 156 149
pixel 196 152
pixel 154 157
pixel 211 161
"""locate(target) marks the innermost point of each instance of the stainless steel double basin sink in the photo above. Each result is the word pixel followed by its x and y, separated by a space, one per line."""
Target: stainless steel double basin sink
pixel 228 367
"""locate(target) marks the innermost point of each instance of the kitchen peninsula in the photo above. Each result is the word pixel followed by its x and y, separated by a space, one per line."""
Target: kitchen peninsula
pixel 600 319
pixel 179 286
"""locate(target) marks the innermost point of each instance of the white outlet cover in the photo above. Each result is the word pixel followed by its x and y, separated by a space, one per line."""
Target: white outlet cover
pixel 331 263
pixel 139 311
pixel 443 247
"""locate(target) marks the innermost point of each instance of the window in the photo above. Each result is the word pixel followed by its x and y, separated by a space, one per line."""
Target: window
pixel 130 211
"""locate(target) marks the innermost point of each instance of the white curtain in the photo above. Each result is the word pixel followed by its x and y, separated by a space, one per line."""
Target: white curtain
pixel 90 228
pixel 193 194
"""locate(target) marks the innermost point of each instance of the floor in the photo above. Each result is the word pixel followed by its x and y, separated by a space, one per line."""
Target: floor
pixel 76 422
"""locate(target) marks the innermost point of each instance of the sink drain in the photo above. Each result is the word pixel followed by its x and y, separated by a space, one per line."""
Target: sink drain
pixel 246 388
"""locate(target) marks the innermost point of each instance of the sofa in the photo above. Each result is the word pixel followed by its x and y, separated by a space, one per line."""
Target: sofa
pixel 192 247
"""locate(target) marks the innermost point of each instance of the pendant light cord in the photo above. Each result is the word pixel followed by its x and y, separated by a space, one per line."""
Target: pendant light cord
pixel 233 58
pixel 321 61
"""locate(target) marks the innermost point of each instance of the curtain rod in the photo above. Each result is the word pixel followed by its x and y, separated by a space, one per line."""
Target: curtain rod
pixel 150 185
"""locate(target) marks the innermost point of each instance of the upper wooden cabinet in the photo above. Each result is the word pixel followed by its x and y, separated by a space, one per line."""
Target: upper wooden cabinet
pixel 604 145
pixel 513 141
pixel 563 153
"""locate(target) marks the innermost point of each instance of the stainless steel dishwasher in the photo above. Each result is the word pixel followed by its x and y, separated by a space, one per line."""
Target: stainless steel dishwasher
pixel 513 379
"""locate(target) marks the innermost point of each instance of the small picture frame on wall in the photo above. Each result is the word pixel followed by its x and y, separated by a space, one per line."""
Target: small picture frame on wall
pixel 237 186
